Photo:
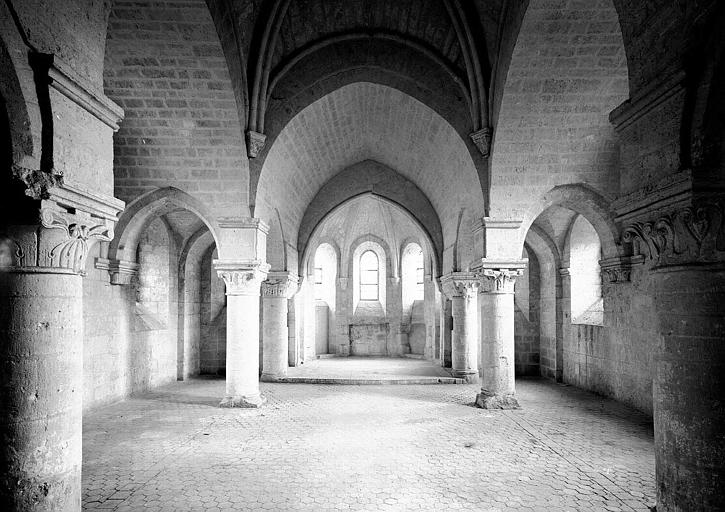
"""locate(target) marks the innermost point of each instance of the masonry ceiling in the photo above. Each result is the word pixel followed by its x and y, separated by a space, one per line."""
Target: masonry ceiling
pixel 368 121
pixel 448 33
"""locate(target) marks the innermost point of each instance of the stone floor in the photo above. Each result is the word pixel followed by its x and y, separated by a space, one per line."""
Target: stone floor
pixel 372 448
pixel 370 370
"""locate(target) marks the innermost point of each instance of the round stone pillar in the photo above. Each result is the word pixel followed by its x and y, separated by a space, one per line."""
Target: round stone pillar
pixel 446 332
pixel 41 328
pixel 497 339
pixel 276 292
pixel 242 373
pixel 462 289
pixel 689 389
pixel 41 352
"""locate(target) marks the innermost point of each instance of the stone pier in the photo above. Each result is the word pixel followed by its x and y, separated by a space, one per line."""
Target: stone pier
pixel 462 289
pixel 497 335
pixel 242 283
pixel 277 290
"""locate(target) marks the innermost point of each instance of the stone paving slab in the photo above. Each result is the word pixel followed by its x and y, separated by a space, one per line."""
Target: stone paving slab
pixel 367 448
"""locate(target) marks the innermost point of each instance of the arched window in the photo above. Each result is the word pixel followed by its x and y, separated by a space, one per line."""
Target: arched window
pixel 412 274
pixel 369 269
pixel 324 274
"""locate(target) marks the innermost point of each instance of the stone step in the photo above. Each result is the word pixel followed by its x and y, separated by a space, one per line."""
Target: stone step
pixel 357 382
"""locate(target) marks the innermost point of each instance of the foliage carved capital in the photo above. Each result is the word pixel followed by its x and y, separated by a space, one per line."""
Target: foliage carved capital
pixel 242 278
pixel 280 285
pixel 690 234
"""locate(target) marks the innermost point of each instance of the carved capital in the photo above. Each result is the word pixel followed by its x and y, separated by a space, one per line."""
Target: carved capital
pixel 460 284
pixel 121 271
pixel 619 270
pixel 280 285
pixel 255 143
pixel 65 243
pixel 242 278
pixel 343 282
pixel 500 276
pixel 689 234
pixel 500 280
pixel 482 139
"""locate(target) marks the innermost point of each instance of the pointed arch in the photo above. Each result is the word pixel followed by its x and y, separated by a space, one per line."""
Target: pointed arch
pixel 144 209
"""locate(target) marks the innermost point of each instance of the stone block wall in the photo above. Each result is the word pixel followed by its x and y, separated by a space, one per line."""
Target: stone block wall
pixel 213 319
pixel 165 66
pixel 568 70
pixel 107 318
pixel 616 359
pixel 130 330
pixel 527 351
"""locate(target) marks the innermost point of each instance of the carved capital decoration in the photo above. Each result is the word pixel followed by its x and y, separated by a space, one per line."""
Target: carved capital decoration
pixel 690 234
pixel 11 253
pixel 500 280
pixel 280 285
pixel 460 284
pixel 343 283
pixel 482 139
pixel 244 278
pixel 619 270
pixel 70 250
pixel 37 182
pixel 255 143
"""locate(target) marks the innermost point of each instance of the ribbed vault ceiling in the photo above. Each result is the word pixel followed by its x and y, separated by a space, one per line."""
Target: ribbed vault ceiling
pixel 367 121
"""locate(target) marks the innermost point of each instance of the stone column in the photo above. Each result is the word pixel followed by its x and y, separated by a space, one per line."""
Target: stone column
pixel 462 289
pixel 397 338
pixel 277 290
pixel 446 332
pixel 429 290
pixel 41 329
pixel 242 281
pixel 343 303
pixel 497 337
pixel 688 389
pixel 685 256
pixel 563 321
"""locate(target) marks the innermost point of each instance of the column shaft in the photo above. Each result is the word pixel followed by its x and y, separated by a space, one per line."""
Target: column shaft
pixel 688 389
pixel 497 338
pixel 497 343
pixel 465 337
pixel 563 317
pixel 275 338
pixel 41 328
pixel 242 388
pixel 446 332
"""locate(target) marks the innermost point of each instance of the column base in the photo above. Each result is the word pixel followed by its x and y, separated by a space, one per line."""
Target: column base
pixel 486 400
pixel 243 402
pixel 470 376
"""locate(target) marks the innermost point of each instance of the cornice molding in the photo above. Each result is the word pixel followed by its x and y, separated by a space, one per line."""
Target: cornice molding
pixel 647 100
pixel 64 80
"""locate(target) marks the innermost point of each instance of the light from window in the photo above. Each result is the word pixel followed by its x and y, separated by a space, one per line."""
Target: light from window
pixel 419 274
pixel 369 268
